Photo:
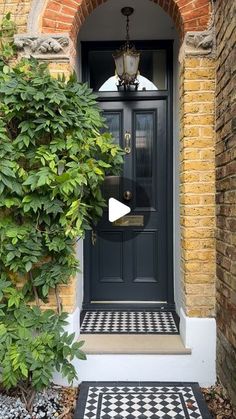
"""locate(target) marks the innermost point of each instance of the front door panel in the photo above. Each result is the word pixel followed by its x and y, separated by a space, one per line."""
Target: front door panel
pixel 129 263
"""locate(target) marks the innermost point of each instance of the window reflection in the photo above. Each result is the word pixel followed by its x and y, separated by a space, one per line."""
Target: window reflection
pixel 113 120
pixel 144 152
pixel 111 185
pixel 112 83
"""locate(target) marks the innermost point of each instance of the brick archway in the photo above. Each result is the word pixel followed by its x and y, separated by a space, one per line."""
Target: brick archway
pixel 60 22
pixel 68 15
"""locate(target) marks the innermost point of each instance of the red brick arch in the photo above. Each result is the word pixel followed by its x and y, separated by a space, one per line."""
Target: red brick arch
pixel 69 15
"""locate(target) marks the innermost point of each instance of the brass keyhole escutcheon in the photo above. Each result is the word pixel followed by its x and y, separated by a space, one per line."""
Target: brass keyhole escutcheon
pixel 127 195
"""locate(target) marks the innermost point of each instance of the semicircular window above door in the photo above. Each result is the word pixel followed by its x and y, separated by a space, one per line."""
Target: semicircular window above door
pixel 152 68
pixel 112 83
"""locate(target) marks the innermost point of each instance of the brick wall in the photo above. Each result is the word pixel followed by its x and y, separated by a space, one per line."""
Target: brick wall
pixel 226 193
pixel 19 10
pixel 68 297
pixel 69 15
pixel 197 139
pixel 197 185
pixel 197 145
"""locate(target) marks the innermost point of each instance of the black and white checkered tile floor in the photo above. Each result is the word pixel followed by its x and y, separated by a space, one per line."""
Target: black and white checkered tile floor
pixel 143 321
pixel 107 400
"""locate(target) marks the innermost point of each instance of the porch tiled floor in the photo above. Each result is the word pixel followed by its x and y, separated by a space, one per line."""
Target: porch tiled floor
pixel 115 400
pixel 129 322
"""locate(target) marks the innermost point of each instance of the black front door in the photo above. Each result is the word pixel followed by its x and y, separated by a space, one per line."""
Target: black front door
pixel 130 263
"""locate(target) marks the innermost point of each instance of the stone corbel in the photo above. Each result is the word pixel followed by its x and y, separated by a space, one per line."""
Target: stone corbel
pixel 199 44
pixel 46 47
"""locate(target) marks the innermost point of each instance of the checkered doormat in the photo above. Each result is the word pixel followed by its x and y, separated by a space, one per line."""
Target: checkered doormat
pixel 107 400
pixel 145 321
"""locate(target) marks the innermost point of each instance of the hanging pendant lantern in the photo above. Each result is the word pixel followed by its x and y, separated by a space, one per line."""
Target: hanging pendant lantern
pixel 127 59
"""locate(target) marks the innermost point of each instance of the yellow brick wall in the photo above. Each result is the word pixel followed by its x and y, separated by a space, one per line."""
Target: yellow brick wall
pixel 68 297
pixel 197 175
pixel 197 185
pixel 19 10
pixel 226 195
pixel 60 69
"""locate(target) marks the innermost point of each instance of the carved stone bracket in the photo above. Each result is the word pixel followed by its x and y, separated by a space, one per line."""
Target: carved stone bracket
pixel 44 47
pixel 199 44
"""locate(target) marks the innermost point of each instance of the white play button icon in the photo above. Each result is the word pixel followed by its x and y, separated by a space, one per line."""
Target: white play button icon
pixel 116 209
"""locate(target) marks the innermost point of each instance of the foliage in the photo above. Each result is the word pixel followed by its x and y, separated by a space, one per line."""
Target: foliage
pixel 7 31
pixel 54 156
pixel 53 161
pixel 32 344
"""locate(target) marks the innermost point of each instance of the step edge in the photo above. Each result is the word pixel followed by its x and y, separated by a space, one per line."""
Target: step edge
pixel 186 351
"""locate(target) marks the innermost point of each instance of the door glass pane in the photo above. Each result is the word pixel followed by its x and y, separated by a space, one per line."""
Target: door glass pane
pixel 144 127
pixel 111 186
pixel 114 125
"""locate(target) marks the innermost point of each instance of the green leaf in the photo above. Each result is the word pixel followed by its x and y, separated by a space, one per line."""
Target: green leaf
pixel 3 329
pixel 28 266
pixel 98 171
pixel 45 290
pixel 24 370
pixel 6 69
pixel 81 355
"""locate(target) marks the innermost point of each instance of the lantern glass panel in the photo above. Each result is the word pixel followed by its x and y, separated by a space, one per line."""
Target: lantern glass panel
pixel 131 64
pixel 119 62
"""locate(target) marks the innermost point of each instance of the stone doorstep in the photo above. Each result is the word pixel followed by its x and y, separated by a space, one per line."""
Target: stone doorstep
pixel 96 344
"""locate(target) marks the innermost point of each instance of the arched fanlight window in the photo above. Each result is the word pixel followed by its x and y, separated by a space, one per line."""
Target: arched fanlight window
pixel 112 83
pixel 152 73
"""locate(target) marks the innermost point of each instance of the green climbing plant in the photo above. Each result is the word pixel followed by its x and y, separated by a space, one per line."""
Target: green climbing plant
pixel 7 31
pixel 54 156
pixel 53 162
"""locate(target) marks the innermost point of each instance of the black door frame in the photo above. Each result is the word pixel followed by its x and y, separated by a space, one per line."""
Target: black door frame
pixel 125 96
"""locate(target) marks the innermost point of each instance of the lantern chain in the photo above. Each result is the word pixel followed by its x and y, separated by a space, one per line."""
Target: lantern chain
pixel 127 29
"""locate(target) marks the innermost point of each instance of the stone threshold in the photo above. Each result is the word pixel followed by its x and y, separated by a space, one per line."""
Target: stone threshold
pixel 96 344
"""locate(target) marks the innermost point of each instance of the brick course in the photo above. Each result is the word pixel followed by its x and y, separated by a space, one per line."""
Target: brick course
pixel 226 193
pixel 19 10
pixel 197 185
pixel 69 15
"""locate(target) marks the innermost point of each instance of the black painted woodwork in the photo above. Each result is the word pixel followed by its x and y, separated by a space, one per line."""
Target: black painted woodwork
pixel 124 266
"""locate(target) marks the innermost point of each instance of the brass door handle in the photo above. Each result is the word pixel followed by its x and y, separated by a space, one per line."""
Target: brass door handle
pixel 93 237
pixel 127 195
pixel 127 142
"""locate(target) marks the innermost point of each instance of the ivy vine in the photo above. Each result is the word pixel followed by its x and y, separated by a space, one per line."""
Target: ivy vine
pixel 53 162
pixel 54 156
